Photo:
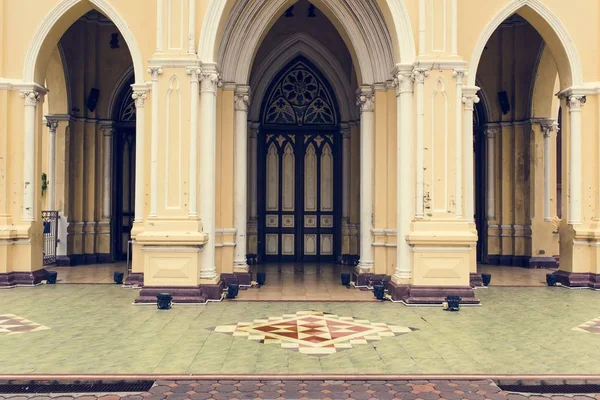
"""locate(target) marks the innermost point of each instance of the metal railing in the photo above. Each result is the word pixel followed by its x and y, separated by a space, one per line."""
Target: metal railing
pixel 50 221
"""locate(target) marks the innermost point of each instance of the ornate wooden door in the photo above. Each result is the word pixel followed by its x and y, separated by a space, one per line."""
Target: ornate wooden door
pixel 299 207
pixel 298 216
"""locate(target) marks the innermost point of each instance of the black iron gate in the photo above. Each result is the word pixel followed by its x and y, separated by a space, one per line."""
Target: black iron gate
pixel 50 220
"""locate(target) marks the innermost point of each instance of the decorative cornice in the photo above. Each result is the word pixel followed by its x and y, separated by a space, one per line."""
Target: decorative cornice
pixel 345 130
pixel 459 74
pixel 107 130
pixel 253 129
pixel 440 65
pixel 186 62
pixel 470 97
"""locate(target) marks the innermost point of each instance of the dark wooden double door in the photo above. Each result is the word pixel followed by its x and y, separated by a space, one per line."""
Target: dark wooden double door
pixel 123 190
pixel 299 191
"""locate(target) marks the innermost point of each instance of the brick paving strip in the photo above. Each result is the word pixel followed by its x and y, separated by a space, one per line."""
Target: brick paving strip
pixel 308 389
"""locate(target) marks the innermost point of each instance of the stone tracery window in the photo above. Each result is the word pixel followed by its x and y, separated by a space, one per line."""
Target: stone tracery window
pixel 127 109
pixel 299 97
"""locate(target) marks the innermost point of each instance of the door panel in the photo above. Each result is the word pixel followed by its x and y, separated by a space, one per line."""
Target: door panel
pixel 299 197
pixel 124 190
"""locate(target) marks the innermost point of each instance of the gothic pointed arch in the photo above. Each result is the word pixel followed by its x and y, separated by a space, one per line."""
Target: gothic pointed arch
pixel 299 95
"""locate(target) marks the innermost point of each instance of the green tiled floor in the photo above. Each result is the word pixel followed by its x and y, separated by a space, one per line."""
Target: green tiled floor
pixel 95 329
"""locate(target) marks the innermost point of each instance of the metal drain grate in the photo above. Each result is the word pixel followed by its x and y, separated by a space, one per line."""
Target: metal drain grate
pixel 79 387
pixel 552 389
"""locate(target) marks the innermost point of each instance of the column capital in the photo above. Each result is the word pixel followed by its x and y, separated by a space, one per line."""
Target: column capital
pixel 365 99
pixel 548 126
pixel 345 130
pixel 403 81
pixel 31 97
pixel 140 97
pixel 195 72
pixel 52 124
pixel 491 132
pixel 459 74
pixel 210 79
pixel 107 130
pixel 155 72
pixel 253 129
pixel 242 98
pixel 576 102
pixel 469 100
pixel 419 75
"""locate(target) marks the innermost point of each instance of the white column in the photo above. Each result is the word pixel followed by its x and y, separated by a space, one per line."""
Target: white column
pixel 192 28
pixel 575 104
pixel 29 188
pixel 254 127
pixel 160 6
pixel 366 101
pixel 422 26
pixel 547 128
pixel 490 134
pixel 469 100
pixel 139 95
pixel 459 75
pixel 240 190
pixel 345 133
pixel 52 125
pixel 405 175
pixel 209 79
pixel 454 39
pixel 195 84
pixel 419 76
pixel 107 148
pixel 154 72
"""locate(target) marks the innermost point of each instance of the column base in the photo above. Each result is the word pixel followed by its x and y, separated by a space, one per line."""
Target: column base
pixel 16 278
pixel 184 294
pixel 73 260
pixel 543 262
pixel 135 279
pixel 475 280
pixel 425 295
pixel 241 278
pixel 578 279
pixel 369 279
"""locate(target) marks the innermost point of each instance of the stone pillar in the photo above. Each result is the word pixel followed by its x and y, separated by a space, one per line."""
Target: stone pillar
pixel 419 76
pixel 405 175
pixel 193 185
pixel 542 228
pixel 107 140
pixel 366 101
pixel 210 81
pixel 240 191
pixel 575 104
pixel 490 134
pixel 253 176
pixel 548 127
pixel 139 95
pixel 459 75
pixel 154 72
pixel 29 187
pixel 469 100
pixel 345 133
pixel 52 125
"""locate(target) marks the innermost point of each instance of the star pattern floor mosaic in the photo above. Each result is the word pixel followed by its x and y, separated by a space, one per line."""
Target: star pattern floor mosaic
pixel 312 332
pixel 592 326
pixel 11 325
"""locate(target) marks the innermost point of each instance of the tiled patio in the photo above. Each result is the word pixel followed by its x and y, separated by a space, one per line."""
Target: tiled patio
pixel 96 329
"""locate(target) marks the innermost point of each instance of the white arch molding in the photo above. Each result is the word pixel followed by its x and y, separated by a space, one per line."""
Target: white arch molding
pixel 293 46
pixel 118 89
pixel 55 15
pixel 361 21
pixel 567 42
